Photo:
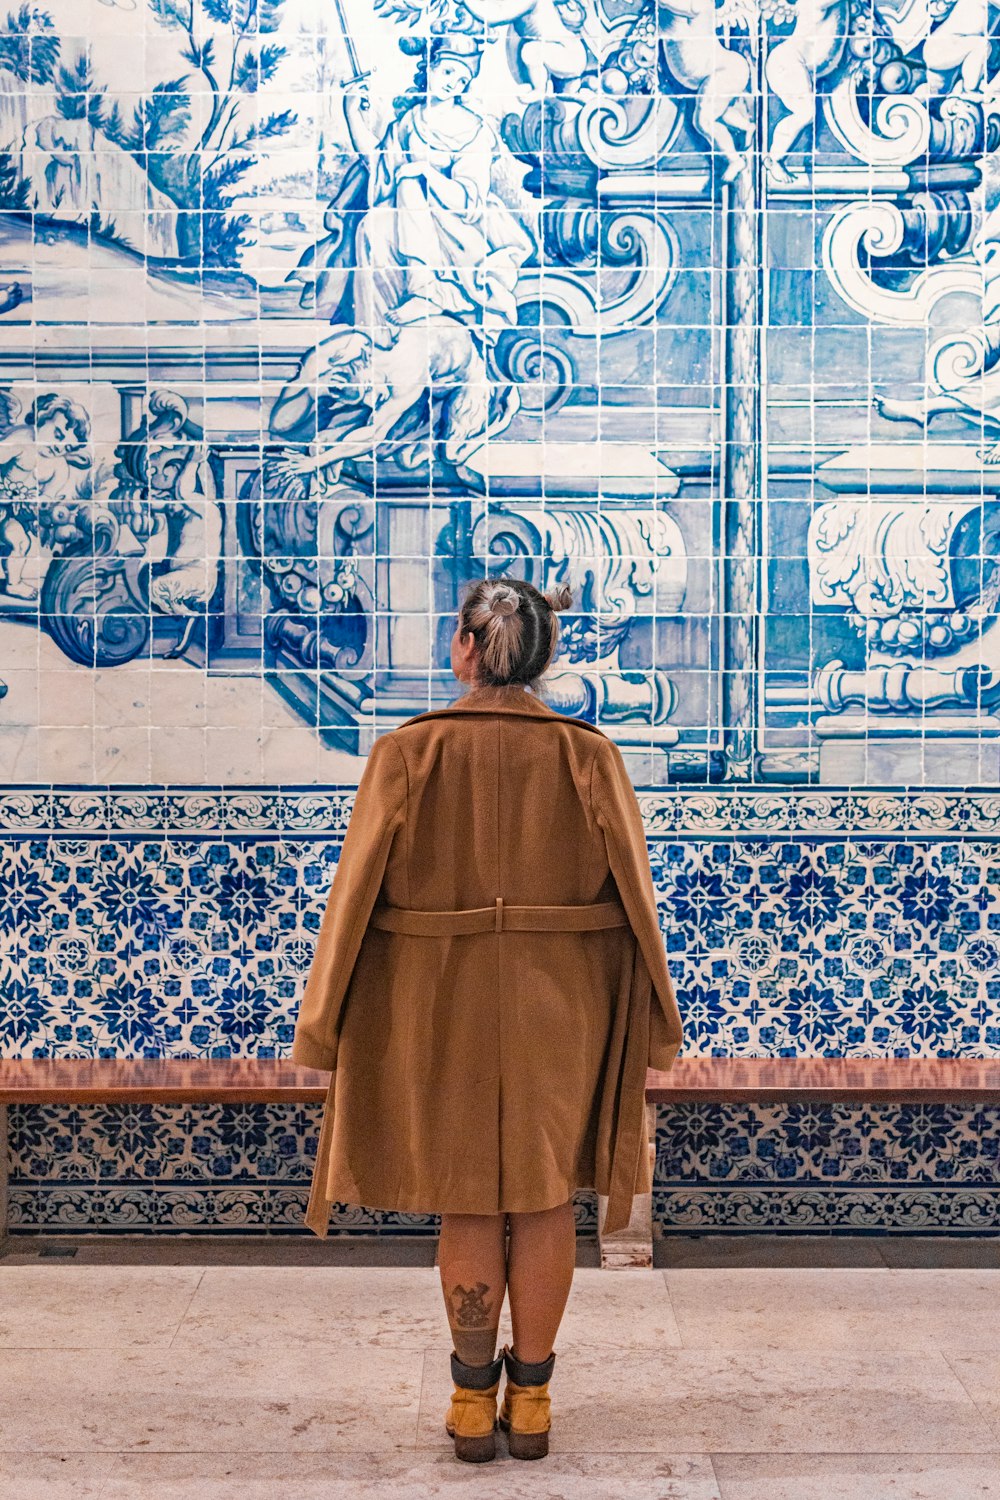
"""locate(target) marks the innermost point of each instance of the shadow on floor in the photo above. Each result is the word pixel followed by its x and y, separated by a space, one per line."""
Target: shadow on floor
pixel 675 1252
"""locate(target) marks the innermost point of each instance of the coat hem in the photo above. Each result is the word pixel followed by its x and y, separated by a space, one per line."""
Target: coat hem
pixel 423 1207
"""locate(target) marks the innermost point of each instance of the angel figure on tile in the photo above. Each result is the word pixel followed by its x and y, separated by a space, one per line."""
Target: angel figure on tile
pixel 812 50
pixel 45 464
pixel 719 76
pixel 167 497
pixel 957 49
pixel 547 44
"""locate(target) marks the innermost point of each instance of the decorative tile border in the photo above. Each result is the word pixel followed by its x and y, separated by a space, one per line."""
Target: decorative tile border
pixel 212 1210
pixel 705 812
pixel 734 812
pixel 794 1210
pixel 143 810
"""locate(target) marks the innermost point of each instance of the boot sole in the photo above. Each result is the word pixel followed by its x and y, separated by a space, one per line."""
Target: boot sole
pixel 526 1445
pixel 474 1450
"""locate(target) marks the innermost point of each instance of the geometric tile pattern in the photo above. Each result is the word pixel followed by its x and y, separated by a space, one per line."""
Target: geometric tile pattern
pixel 787 945
pixel 236 1169
pixel 794 943
pixel 825 1168
pixel 193 948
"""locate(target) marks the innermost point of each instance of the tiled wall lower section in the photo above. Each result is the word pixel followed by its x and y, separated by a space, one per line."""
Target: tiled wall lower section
pixel 223 1169
pixel 909 1168
pixel 798 923
pixel 245 1169
pixel 795 925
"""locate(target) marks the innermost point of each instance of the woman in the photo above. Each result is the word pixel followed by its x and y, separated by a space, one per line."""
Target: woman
pixel 488 988
pixel 417 217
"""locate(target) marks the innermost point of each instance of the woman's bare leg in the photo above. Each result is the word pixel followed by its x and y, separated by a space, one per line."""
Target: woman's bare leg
pixel 540 1265
pixel 472 1262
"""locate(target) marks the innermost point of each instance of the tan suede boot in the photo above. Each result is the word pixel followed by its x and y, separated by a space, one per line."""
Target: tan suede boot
pixel 524 1415
pixel 472 1415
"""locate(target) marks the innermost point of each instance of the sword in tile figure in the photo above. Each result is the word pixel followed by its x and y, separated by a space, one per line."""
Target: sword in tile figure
pixel 358 74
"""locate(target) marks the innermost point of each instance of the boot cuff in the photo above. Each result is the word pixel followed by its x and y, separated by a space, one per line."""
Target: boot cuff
pixel 524 1374
pixel 475 1377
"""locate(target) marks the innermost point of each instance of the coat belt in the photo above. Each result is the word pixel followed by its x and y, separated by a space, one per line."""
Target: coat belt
pixel 499 918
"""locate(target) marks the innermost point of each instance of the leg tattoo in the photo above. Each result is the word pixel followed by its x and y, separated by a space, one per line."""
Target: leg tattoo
pixel 473 1323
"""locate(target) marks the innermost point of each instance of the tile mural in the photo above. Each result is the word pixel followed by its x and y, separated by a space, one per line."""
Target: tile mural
pixel 311 310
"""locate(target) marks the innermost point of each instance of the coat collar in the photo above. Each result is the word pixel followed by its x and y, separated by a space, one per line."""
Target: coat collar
pixel 500 700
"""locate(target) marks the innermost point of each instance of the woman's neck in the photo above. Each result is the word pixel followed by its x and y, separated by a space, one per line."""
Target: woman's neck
pixel 496 687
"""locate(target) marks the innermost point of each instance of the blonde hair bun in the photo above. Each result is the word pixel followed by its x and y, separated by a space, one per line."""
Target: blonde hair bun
pixel 505 600
pixel 561 597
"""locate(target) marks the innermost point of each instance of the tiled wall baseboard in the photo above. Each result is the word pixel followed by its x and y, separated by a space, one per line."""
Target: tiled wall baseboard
pixel 724 1169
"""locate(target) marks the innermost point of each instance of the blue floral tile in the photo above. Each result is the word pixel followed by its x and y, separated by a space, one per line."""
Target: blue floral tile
pixel 229 1169
pixel 827 1167
pixel 796 924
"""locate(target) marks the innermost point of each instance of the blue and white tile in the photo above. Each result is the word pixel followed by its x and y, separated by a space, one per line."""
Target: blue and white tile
pixel 205 577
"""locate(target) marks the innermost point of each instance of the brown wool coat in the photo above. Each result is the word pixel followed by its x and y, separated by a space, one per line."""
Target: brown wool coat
pixel 499 1068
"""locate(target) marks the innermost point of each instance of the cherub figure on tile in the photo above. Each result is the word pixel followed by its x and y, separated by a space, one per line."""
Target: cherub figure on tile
pixel 44 461
pixel 698 59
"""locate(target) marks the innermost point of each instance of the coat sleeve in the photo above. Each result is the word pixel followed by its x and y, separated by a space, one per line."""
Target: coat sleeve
pixel 379 811
pixel 616 809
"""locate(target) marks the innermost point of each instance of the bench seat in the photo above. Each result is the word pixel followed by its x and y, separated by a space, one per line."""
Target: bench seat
pixel 160 1080
pixel 859 1080
pixel 694 1080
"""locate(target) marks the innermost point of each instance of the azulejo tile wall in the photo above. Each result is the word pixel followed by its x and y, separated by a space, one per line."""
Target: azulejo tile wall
pixel 308 313
pixel 144 923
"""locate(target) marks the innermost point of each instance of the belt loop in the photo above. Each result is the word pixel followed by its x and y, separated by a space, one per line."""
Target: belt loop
pixel 499 918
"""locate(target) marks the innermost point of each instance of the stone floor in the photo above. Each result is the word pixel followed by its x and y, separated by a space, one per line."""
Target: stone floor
pixel 843 1370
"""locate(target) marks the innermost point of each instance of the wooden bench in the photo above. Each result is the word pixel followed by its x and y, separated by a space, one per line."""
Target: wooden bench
pixel 711 1080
